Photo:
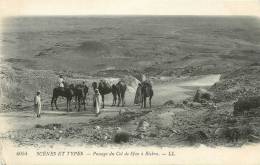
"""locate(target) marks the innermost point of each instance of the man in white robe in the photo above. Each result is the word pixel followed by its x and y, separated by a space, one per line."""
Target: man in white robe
pixel 97 102
pixel 37 104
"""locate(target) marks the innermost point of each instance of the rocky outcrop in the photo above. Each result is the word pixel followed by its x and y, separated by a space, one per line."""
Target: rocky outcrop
pixel 246 104
pixel 202 95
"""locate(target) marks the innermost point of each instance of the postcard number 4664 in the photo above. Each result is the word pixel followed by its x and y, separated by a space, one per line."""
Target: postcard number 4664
pixel 21 153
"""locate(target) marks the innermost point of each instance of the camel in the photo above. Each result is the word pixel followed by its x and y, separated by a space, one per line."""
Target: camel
pixel 104 89
pixel 117 90
pixel 121 89
pixel 80 92
pixel 66 92
pixel 146 91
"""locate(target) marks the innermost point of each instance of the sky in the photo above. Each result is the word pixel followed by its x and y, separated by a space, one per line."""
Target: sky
pixel 129 7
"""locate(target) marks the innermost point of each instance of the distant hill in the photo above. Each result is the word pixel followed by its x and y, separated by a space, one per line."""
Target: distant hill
pixel 156 45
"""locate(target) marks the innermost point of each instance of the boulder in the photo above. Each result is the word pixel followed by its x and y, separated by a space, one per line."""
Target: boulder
pixel 122 111
pixel 220 132
pixel 179 105
pixel 253 138
pixel 169 103
pixel 232 134
pixel 97 127
pixel 49 126
pixel 140 136
pixel 246 104
pixel 143 126
pixel 197 137
pixel 122 137
pixel 185 102
pixel 117 129
pixel 247 130
pixel 202 95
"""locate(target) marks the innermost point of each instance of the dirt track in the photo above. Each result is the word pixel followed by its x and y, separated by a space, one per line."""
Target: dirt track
pixel 22 125
pixel 26 119
pixel 163 92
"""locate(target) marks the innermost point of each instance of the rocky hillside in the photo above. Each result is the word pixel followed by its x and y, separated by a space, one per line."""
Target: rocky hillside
pixel 241 82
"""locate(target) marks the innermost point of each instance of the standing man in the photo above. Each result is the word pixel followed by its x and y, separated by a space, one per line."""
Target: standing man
pixel 97 102
pixel 37 104
pixel 138 95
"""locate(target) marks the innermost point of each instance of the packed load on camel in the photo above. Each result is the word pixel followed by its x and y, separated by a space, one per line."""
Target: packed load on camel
pixel 118 91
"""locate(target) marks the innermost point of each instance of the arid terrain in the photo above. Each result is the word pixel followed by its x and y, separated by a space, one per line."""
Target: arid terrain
pixel 219 55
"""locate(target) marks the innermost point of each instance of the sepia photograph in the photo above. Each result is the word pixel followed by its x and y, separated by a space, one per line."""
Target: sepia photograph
pixel 130 80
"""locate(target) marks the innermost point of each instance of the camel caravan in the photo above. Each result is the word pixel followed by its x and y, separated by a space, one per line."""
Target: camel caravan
pixel 80 91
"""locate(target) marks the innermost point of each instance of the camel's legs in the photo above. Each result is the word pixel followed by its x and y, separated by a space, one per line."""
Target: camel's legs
pixel 150 101
pixel 70 104
pixel 55 102
pixel 114 100
pixel 84 103
pixel 103 100
pixel 119 100
pixel 144 102
pixel 52 99
pixel 78 104
pixel 86 98
pixel 75 102
pixel 123 100
pixel 67 104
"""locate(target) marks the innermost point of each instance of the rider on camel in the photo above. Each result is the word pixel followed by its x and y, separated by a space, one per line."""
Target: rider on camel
pixel 61 82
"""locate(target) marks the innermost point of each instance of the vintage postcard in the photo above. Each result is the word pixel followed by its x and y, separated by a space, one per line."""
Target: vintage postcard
pixel 130 82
